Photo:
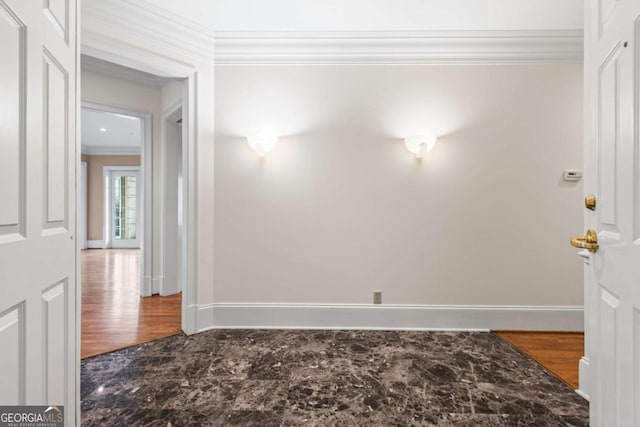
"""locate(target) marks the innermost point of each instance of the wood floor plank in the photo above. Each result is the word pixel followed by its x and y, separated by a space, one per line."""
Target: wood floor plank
pixel 114 316
pixel 558 352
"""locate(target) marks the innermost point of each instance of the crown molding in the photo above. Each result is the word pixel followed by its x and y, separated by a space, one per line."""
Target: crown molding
pixel 360 48
pixel 149 22
pixel 120 18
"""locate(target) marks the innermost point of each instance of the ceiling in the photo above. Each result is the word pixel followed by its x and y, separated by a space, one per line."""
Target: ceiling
pixel 378 15
pixel 122 134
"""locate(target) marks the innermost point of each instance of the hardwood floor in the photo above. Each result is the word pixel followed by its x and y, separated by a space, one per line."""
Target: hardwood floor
pixel 114 316
pixel 558 352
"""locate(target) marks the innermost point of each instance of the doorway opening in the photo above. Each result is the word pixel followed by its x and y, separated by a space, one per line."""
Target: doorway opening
pixel 126 298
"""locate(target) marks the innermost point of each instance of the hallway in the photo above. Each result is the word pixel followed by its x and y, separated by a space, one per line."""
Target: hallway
pixel 113 314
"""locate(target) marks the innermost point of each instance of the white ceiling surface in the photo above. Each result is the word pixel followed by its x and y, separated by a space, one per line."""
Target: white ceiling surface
pixel 379 15
pixel 123 133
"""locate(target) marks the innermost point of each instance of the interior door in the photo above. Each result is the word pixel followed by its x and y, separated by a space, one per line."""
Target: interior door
pixel 612 152
pixel 38 336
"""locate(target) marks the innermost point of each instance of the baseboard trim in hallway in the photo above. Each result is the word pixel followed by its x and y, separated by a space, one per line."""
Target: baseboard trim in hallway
pixel 388 317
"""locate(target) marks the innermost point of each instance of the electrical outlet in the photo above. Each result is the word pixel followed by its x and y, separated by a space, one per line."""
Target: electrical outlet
pixel 377 297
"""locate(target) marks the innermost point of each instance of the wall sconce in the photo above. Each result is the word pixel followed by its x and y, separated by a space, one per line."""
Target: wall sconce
pixel 262 143
pixel 420 144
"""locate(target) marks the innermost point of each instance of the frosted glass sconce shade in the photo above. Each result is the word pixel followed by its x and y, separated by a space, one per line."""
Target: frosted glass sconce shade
pixel 420 144
pixel 262 144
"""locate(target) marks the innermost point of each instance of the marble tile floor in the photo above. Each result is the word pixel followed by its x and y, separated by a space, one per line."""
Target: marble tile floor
pixel 325 378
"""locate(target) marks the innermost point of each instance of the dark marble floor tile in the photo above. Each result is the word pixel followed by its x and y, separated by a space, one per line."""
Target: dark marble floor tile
pixel 271 366
pixel 145 417
pixel 351 378
pixel 249 418
pixel 345 418
pixel 475 420
pixel 164 347
pixel 359 395
pixel 112 393
pixel 104 366
pixel 203 396
pixel 556 398
pixel 518 420
pixel 223 366
pixel 261 395
pixel 148 367
pixel 319 367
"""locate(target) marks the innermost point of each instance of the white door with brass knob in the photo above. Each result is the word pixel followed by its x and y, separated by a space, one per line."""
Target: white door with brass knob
pixel 612 176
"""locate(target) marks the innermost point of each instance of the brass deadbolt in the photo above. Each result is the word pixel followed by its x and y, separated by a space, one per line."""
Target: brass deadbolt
pixel 590 202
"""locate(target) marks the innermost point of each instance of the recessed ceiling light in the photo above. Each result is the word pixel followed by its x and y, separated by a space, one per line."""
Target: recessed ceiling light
pixel 103 129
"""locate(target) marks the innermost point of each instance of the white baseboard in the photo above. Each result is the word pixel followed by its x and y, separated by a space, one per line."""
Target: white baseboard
pixel 95 244
pixel 157 284
pixel 583 367
pixel 146 287
pixel 389 317
pixel 190 319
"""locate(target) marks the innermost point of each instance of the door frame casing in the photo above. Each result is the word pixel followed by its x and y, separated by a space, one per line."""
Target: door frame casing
pixel 146 182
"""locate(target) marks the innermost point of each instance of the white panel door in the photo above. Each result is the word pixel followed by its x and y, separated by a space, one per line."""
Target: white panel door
pixel 39 355
pixel 612 75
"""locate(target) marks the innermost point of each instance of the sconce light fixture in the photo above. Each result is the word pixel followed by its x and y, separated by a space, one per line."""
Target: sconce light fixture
pixel 420 144
pixel 262 143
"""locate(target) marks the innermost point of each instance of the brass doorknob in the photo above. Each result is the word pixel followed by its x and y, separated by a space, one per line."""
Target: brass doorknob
pixel 588 242
pixel 590 202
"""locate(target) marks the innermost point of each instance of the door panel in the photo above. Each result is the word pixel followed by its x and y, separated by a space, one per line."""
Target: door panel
pixel 56 338
pixel 608 361
pixel 56 144
pixel 12 358
pixel 39 357
pixel 608 156
pixel 12 124
pixel 612 75
pixel 58 13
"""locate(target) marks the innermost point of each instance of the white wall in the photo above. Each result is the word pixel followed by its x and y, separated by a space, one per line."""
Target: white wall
pixel 340 208
pixel 172 227
pixel 171 93
pixel 379 15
